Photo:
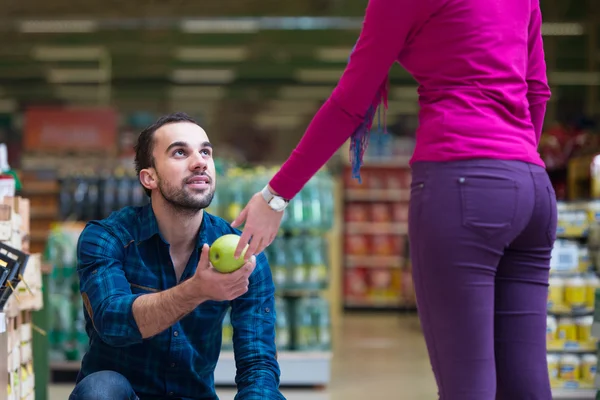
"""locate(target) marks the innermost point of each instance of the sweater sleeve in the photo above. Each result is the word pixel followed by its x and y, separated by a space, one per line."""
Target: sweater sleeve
pixel 386 27
pixel 538 91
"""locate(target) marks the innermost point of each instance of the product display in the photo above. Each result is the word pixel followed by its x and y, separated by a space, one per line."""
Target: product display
pixel 572 346
pixel 20 295
pixel 377 271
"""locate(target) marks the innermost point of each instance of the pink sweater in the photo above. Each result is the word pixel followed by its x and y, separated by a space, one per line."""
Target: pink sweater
pixel 482 83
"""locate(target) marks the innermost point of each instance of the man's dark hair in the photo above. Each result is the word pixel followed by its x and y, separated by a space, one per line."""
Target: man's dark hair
pixel 145 143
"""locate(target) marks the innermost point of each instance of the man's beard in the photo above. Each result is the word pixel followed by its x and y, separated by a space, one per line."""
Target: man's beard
pixel 182 201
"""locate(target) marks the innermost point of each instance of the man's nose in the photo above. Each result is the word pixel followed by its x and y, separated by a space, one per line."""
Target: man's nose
pixel 198 162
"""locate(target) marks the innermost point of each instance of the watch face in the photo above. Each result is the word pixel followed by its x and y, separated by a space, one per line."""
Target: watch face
pixel 277 203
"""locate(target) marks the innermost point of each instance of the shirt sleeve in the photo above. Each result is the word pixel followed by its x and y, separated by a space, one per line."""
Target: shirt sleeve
pixel 387 26
pixel 253 320
pixel 105 291
pixel 538 90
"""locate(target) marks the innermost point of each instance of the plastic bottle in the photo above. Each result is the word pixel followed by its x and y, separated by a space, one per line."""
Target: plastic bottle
pixel 556 292
pixel 567 330
pixel 575 292
pixel 282 325
pixel 584 328
pixel 592 282
pixel 570 367
pixel 551 328
pixel 279 261
pixel 296 262
pixel 589 364
pixel 553 366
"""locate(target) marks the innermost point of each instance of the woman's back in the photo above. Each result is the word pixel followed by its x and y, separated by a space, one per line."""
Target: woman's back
pixel 483 88
pixel 472 61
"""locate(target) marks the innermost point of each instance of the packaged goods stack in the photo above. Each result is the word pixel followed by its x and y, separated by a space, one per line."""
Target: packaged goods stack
pixel 572 344
pixel 299 258
pixel 377 270
pixel 20 289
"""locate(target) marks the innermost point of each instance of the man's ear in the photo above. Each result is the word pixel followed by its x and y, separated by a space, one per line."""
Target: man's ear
pixel 148 178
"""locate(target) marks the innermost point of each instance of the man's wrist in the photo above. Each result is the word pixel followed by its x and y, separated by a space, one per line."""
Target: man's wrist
pixel 189 292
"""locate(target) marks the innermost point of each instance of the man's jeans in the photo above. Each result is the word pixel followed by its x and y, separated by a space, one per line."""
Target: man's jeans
pixel 104 385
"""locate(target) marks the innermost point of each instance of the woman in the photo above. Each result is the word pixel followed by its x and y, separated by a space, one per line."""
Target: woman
pixel 482 208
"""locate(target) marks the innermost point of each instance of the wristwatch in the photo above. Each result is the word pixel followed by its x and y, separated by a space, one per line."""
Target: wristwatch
pixel 277 203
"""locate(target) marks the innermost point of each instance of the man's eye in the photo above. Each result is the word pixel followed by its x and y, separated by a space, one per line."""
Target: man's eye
pixel 179 153
pixel 206 152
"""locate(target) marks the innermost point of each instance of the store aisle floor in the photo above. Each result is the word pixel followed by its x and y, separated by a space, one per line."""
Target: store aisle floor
pixel 376 357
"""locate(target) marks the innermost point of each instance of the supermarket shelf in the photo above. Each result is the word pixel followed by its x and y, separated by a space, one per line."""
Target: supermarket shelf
pixel 371 228
pixel 374 261
pixel 387 162
pixel 573 394
pixel 65 365
pixel 377 195
pixel 297 368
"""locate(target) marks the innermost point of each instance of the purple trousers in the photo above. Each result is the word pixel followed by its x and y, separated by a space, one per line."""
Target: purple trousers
pixel 481 235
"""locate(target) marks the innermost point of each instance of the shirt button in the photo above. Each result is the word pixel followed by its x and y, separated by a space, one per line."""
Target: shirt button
pixel 173 365
pixel 175 333
pixel 171 394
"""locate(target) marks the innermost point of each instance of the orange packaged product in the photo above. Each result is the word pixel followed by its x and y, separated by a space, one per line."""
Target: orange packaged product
pixel 355 284
pixel 357 245
pixel 352 183
pixel 398 245
pixel 380 212
pixel 395 179
pixel 380 282
pixel 400 212
pixel 382 245
pixel 377 180
pixel 357 212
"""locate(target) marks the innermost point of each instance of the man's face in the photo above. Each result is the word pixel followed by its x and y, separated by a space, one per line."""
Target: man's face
pixel 184 169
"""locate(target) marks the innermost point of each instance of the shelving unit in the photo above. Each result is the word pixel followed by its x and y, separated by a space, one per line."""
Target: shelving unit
pixel 572 343
pixel 297 368
pixel 377 273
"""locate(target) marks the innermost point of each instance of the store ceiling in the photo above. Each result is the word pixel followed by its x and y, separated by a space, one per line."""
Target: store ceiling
pixel 161 55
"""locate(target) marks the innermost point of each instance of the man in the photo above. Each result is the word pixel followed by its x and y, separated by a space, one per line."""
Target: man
pixel 154 305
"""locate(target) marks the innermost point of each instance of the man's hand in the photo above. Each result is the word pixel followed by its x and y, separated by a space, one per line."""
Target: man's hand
pixel 214 285
pixel 260 228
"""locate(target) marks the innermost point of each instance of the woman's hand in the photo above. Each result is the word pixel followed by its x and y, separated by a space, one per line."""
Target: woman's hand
pixel 260 228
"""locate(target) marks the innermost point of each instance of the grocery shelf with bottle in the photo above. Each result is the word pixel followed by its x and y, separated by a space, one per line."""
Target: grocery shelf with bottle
pixel 377 269
pixel 301 261
pixel 300 258
pixel 571 342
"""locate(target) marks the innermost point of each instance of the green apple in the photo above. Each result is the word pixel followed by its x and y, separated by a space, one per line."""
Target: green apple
pixel 222 252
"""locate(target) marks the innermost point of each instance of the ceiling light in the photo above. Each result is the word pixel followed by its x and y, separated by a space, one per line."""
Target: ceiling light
pixel 277 121
pixel 404 93
pixel 202 75
pixel 319 75
pixel 562 29
pixel 76 53
pixel 58 26
pixel 305 92
pixel 574 78
pixel 217 25
pixel 211 53
pixel 72 75
pixel 8 105
pixel 333 54
pixel 293 106
pixel 77 92
pixel 197 92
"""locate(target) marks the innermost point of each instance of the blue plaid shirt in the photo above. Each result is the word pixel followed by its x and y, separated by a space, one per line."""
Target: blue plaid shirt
pixel 125 256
